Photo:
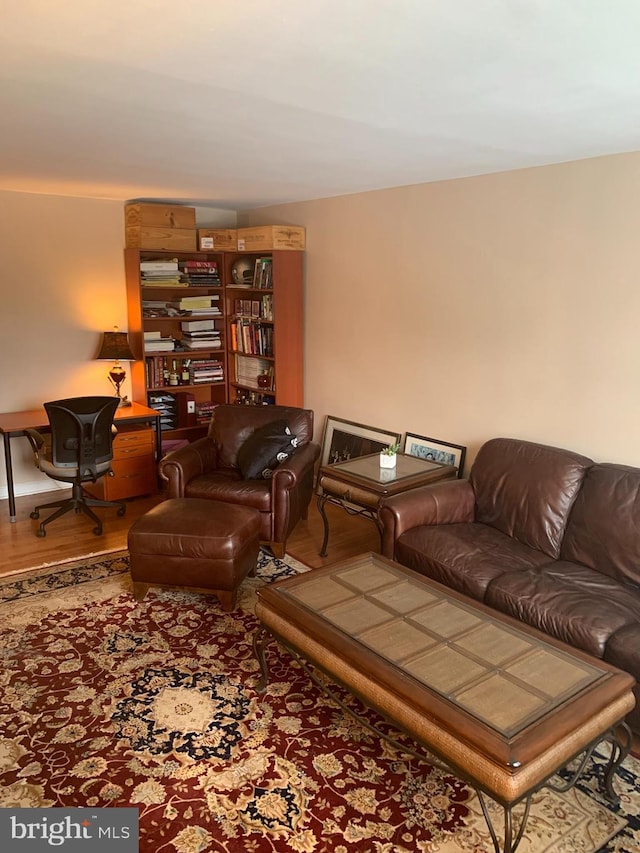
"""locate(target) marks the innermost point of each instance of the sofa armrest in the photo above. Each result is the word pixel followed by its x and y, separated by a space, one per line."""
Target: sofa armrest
pixel 182 465
pixel 447 502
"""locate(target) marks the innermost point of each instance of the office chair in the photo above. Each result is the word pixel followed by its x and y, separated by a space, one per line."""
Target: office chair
pixel 81 452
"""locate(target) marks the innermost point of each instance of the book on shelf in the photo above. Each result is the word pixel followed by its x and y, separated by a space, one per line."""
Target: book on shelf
pixel 262 273
pixel 190 302
pixel 199 265
pixel 160 345
pixel 164 281
pixel 197 325
pixel 203 343
pixel 160 265
pixel 152 335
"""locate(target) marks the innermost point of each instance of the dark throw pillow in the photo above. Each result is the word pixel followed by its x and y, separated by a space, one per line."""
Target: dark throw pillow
pixel 265 449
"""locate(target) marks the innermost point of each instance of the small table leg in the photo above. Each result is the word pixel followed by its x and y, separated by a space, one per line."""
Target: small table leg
pixel 322 499
pixel 6 438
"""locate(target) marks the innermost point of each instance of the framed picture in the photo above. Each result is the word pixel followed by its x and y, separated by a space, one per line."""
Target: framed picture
pixel 438 451
pixel 344 440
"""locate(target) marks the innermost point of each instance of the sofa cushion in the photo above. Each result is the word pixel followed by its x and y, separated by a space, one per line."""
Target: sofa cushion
pixel 571 602
pixel 465 557
pixel 604 527
pixel 526 490
pixel 224 485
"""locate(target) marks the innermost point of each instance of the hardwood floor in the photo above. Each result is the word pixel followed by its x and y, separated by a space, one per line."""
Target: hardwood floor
pixel 71 536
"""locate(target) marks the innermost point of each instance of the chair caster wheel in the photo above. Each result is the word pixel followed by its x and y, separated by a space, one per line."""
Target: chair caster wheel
pixel 41 532
pixel 97 531
pixel 121 511
pixel 35 514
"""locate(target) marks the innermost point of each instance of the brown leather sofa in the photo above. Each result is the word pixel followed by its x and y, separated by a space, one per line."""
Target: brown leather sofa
pixel 543 534
pixel 209 468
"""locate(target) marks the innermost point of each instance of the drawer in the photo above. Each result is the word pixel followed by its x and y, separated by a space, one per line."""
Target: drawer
pixel 134 476
pixel 133 443
pixel 349 492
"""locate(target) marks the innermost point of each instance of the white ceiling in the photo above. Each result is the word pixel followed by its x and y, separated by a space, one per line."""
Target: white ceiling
pixel 245 103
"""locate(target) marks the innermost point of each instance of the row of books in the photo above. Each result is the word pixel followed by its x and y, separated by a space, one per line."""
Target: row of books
pixel 187 306
pixel 174 273
pixel 248 370
pixel 261 309
pixel 251 337
pixel 163 372
pixel 262 275
pixel 204 412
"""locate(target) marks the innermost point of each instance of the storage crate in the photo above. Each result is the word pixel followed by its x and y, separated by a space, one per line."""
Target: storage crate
pixel 160 216
pixel 266 237
pixel 161 239
pixel 217 239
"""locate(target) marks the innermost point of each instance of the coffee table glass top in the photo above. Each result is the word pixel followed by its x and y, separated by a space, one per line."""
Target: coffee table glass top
pixel 452 648
pixel 369 468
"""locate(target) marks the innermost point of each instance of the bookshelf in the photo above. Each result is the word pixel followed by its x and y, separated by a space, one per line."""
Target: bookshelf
pixel 184 383
pixel 265 329
pixel 259 326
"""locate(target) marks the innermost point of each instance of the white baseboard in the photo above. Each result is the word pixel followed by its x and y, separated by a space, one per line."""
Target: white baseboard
pixel 35 488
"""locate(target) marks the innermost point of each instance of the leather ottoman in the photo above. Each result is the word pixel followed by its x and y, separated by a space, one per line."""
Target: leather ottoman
pixel 203 545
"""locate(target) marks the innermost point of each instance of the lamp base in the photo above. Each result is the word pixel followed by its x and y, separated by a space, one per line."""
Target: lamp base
pixel 124 401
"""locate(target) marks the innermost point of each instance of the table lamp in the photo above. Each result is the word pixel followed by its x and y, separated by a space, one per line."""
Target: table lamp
pixel 115 346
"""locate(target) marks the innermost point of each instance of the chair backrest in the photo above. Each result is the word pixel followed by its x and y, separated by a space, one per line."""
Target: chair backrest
pixel 81 434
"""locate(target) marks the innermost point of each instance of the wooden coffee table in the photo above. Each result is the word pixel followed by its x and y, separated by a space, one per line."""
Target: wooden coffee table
pixel 501 705
pixel 358 485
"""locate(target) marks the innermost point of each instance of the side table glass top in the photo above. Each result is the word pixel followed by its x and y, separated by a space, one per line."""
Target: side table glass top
pixel 368 467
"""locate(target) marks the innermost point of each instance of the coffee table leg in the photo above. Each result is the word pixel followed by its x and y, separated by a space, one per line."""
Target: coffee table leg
pixel 322 499
pixel 619 751
pixel 260 641
pixel 510 843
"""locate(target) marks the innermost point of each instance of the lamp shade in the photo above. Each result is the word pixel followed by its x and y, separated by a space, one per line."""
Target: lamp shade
pixel 115 345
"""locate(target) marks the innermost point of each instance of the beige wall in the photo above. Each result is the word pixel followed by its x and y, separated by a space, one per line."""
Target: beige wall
pixel 501 305
pixel 505 304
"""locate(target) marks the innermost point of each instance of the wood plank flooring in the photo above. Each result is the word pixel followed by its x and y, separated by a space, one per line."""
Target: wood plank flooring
pixel 71 536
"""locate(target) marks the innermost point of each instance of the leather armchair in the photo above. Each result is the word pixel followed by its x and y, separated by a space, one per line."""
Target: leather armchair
pixel 208 468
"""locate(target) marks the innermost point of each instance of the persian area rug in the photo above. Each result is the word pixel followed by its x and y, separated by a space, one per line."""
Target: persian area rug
pixel 105 701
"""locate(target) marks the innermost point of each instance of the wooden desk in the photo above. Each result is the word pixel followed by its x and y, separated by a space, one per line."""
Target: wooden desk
pixel 14 424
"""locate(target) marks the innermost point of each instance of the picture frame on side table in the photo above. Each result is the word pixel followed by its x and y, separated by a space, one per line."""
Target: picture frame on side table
pixel 436 450
pixel 344 440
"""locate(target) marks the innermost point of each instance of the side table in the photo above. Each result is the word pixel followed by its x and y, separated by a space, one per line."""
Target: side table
pixel 358 485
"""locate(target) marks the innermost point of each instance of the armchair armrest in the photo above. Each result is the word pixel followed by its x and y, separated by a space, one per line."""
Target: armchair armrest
pixel 36 440
pixel 290 472
pixel 182 465
pixel 447 502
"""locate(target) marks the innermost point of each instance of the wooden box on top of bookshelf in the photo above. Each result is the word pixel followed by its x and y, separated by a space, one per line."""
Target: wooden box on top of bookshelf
pixel 160 216
pixel 217 239
pixel 265 238
pixel 160 239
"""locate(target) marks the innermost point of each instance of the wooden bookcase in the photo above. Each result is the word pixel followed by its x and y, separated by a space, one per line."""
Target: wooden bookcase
pixel 276 318
pixel 281 329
